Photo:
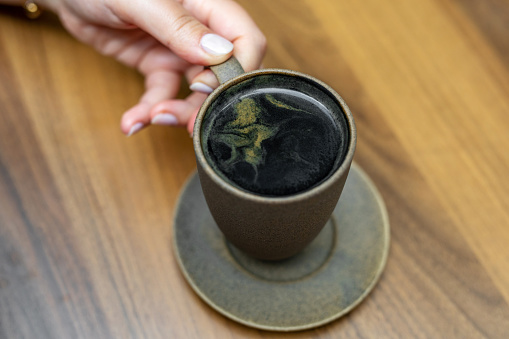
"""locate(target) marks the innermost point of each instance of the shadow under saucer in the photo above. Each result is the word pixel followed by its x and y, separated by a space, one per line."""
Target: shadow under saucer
pixel 326 280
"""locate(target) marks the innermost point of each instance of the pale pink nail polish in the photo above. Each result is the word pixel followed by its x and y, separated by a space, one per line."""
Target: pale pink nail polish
pixel 135 129
pixel 201 87
pixel 165 119
pixel 215 44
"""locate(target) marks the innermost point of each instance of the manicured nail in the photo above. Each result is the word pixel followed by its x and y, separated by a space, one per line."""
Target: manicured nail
pixel 165 119
pixel 201 87
pixel 136 128
pixel 215 44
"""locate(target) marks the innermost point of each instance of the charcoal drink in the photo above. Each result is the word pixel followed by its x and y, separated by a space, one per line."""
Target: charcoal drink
pixel 275 136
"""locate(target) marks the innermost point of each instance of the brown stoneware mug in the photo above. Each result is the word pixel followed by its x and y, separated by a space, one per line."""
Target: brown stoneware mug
pixel 273 150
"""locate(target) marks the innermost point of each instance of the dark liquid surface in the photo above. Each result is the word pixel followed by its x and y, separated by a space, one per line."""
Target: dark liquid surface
pixel 273 141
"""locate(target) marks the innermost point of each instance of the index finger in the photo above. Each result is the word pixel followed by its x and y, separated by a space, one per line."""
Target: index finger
pixel 228 19
pixel 175 27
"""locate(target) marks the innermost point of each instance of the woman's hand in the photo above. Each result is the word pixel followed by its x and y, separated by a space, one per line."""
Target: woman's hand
pixel 165 40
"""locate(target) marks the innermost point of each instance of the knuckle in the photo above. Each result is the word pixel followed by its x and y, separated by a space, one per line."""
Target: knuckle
pixel 262 43
pixel 185 24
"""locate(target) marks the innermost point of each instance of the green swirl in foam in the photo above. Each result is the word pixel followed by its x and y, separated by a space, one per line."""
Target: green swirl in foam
pixel 245 136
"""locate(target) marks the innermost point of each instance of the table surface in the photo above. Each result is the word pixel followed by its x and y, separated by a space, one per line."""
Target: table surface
pixel 86 213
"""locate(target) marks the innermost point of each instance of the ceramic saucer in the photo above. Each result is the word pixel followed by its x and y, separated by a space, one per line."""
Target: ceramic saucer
pixel 322 283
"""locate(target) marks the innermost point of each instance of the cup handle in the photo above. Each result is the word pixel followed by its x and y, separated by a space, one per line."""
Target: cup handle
pixel 227 70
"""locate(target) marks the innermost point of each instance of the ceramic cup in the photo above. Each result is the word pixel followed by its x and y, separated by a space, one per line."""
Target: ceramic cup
pixel 271 227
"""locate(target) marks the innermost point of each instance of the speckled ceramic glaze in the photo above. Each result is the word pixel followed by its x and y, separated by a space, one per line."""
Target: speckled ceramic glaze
pixel 323 282
pixel 281 213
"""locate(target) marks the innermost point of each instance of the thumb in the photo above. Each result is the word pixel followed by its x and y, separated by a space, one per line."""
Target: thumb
pixel 176 28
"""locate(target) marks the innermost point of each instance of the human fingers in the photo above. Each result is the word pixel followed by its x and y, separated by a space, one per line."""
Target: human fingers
pixel 163 71
pixel 191 121
pixel 156 106
pixel 176 28
pixel 230 20
pixel 180 112
pixel 160 85
pixel 135 48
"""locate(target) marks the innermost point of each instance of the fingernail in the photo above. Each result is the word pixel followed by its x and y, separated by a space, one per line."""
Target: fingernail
pixel 215 44
pixel 201 87
pixel 165 119
pixel 136 128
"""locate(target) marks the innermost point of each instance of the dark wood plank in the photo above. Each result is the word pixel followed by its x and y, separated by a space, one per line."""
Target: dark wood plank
pixel 86 214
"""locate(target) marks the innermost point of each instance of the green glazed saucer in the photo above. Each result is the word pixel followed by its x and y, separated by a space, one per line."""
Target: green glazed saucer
pixel 322 283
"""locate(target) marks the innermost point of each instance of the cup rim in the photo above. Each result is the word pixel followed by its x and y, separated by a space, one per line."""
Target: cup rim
pixel 243 194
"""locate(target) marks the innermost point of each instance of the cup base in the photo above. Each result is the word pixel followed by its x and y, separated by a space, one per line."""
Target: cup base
pixel 322 283
pixel 302 265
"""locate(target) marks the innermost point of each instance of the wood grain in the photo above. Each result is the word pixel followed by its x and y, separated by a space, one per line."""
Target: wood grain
pixel 86 214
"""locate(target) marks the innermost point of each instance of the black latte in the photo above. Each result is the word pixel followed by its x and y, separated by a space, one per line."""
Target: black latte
pixel 276 140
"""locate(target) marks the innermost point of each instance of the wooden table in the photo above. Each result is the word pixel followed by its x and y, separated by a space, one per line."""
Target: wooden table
pixel 86 213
